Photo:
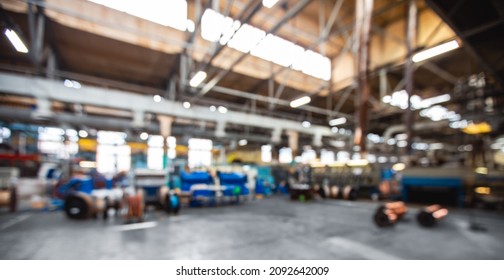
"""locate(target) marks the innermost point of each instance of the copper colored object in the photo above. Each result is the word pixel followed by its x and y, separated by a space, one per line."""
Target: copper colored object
pixel 135 206
pixel 429 216
pixel 389 213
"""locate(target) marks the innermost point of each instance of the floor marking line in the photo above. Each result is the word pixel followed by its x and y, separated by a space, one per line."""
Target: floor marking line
pixel 136 226
pixel 14 221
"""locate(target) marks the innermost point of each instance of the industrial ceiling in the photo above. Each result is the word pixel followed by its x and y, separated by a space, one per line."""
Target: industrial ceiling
pixel 108 49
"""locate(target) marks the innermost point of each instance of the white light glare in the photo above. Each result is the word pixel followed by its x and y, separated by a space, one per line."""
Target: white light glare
pixel 243 142
pixel 434 51
pixel 190 26
pixel 72 84
pixel 186 105
pixel 387 99
pixel 222 109
pixel 300 101
pixel 213 108
pixel 337 121
pixel 83 134
pixel 16 41
pixel 198 79
pixel 144 135
pixel 269 3
pixel 157 98
pixel 306 124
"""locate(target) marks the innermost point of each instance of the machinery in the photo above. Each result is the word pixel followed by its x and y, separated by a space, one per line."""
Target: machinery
pixel 83 200
pixel 338 182
pixel 300 184
pixel 155 190
pixel 233 184
pixel 196 188
pixel 8 187
pixel 457 186
pixel 389 213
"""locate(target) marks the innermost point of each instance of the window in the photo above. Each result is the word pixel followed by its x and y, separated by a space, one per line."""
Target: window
pixel 326 157
pixel 285 155
pixel 112 153
pixel 200 152
pixel 58 142
pixel 171 13
pixel 215 27
pixel 172 144
pixel 266 153
pixel 308 156
pixel 155 152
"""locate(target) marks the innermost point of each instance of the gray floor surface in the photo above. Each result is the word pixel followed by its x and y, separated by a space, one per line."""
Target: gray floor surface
pixel 272 228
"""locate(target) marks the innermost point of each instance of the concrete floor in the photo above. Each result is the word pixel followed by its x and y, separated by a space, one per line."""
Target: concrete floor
pixel 273 228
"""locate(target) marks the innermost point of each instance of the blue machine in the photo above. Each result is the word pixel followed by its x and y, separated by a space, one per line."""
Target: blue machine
pixel 187 180
pixel 453 179
pixel 264 181
pixel 234 183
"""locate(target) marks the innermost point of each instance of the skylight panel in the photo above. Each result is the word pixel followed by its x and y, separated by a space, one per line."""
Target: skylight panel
pixel 275 49
pixel 246 38
pixel 171 13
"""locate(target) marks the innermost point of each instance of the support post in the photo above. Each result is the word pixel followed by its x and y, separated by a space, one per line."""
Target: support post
pixel 364 12
pixel 409 69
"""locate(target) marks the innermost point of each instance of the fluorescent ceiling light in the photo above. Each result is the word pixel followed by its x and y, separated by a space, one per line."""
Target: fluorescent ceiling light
pixel 83 134
pixel 269 3
pixel 387 99
pixel 198 79
pixel 399 166
pixel 16 41
pixel 242 142
pixel 434 51
pixel 337 121
pixel 186 105
pixel 300 101
pixel 434 100
pixel 357 162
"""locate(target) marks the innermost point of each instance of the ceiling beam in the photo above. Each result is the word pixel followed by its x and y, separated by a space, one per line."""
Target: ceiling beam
pixel 46 89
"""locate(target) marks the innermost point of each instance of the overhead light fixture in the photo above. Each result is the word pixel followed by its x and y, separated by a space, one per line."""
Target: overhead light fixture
pixel 300 101
pixel 481 170
pixel 83 133
pixel 357 162
pixel 16 41
pixel 243 142
pixel 87 164
pixel 398 166
pixel 198 79
pixel 482 190
pixel 213 108
pixel 186 105
pixel 306 124
pixel 222 109
pixel 269 3
pixel 337 121
pixel 144 136
pixel 157 98
pixel 72 84
pixel 435 51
